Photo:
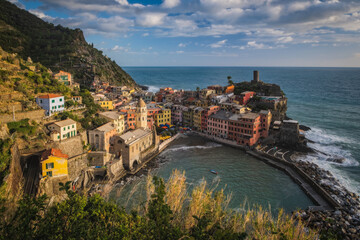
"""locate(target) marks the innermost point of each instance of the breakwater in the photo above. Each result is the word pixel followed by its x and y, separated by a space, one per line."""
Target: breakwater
pixel 338 210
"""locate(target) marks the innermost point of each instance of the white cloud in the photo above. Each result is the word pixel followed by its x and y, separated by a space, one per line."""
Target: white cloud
pixel 254 44
pixel 285 39
pixel 41 14
pixel 145 34
pixel 170 3
pixel 150 19
pixel 120 48
pixel 179 52
pixel 182 45
pixel 218 44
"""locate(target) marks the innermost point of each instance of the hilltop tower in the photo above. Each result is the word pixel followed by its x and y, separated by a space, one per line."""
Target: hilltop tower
pixel 141 114
pixel 256 77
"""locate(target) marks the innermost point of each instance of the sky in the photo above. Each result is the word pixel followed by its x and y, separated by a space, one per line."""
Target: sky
pixel 314 33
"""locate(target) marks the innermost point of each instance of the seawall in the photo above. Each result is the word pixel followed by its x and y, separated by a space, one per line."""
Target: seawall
pixel 308 185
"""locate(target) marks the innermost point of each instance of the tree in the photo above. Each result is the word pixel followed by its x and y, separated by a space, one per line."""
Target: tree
pixel 230 82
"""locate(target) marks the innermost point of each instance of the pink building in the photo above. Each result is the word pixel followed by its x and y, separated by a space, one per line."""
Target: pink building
pixel 205 114
pixel 218 124
pixel 176 114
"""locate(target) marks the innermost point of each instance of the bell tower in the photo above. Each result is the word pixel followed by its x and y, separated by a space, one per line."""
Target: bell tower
pixel 141 114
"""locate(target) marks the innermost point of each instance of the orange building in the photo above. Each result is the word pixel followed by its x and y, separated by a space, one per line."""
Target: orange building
pixel 130 120
pixel 229 89
pixel 64 77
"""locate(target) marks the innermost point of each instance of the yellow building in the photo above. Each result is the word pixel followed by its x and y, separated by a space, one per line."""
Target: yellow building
pixel 197 118
pixel 54 163
pixel 163 117
pixel 107 104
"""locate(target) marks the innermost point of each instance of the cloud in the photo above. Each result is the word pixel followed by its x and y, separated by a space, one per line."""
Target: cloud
pixel 218 44
pixel 179 52
pixel 285 39
pixel 120 48
pixel 41 15
pixel 170 3
pixel 182 45
pixel 150 19
pixel 254 44
pixel 271 22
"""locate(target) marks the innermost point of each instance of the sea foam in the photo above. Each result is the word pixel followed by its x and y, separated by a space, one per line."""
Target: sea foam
pixel 328 146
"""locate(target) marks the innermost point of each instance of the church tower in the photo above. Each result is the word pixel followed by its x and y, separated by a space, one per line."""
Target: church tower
pixel 141 114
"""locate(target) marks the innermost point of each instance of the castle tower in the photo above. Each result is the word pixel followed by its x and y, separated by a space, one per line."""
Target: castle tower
pixel 256 77
pixel 141 114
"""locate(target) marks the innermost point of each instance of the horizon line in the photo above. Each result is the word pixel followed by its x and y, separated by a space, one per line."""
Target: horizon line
pixel 236 66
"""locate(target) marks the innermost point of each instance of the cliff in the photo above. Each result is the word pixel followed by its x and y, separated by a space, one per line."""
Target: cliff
pixel 56 47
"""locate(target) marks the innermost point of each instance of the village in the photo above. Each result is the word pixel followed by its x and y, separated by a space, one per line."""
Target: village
pixel 139 124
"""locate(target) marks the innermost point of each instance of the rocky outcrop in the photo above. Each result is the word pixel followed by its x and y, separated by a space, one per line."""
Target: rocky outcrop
pixel 345 221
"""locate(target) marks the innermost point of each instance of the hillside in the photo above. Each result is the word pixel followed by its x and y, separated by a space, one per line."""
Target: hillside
pixel 56 47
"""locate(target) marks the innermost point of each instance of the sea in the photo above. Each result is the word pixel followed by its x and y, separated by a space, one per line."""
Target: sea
pixel 325 99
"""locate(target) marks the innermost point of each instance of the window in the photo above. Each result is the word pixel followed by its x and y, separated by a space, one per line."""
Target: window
pixel 64 128
pixel 73 126
pixel 40 101
pixel 60 99
pixel 49 173
pixel 49 165
pixel 53 101
pixel 68 127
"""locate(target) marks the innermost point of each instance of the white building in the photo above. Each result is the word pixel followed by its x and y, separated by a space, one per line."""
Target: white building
pixel 51 103
pixel 63 129
pixel 117 120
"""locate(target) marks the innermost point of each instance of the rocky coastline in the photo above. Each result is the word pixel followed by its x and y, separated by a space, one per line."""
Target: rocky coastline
pixel 343 222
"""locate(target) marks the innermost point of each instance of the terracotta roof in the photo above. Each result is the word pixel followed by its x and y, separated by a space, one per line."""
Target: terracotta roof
pixel 53 152
pixel 51 95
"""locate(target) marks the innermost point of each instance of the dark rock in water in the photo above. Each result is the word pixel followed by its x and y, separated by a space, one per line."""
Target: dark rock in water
pixel 336 159
pixel 304 128
pixel 145 88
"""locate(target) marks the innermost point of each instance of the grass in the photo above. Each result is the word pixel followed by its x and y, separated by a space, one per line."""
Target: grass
pixel 203 202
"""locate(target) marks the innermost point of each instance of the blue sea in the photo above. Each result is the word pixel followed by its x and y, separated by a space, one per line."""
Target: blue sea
pixel 325 99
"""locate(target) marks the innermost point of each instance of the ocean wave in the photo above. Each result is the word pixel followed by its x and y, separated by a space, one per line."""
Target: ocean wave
pixel 321 136
pixel 328 146
pixel 153 89
pixel 187 148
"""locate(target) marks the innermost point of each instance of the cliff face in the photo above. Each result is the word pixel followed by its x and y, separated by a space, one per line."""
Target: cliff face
pixel 56 47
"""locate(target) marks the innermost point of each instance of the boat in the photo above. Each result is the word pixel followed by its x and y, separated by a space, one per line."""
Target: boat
pixel 214 172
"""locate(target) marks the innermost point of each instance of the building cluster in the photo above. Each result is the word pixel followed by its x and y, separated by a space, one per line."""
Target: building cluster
pixel 134 116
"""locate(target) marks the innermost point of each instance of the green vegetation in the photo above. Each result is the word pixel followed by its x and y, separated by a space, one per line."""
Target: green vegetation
pixel 5 157
pixel 169 213
pixel 56 47
pixel 22 127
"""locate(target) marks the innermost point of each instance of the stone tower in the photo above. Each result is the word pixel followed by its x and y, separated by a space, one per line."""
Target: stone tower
pixel 256 77
pixel 141 114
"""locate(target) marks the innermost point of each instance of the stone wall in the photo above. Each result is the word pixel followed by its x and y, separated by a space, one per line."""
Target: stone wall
pixel 76 165
pixel 32 115
pixel 14 180
pixel 72 146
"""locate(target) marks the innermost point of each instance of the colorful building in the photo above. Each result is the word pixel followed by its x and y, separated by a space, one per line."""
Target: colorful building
pixel 100 138
pixel 52 103
pixel 176 114
pixel 54 163
pixel 197 118
pixel 163 117
pixel 63 130
pixel 188 116
pixel 229 89
pixel 218 124
pixel 64 77
pixel 107 104
pixel 247 128
pixel 117 119
pixel 245 97
pixel 130 122
pixel 205 114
